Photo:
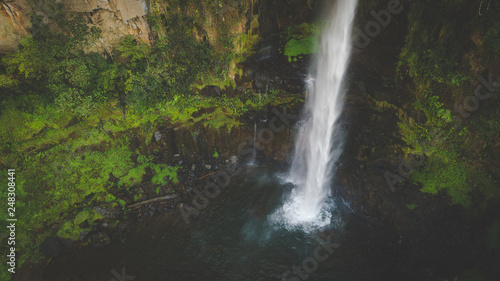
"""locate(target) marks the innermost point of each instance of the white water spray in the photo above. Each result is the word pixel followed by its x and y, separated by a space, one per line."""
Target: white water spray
pixel 318 145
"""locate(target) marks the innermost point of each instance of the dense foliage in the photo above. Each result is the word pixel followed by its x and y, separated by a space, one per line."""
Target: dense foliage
pixel 444 54
pixel 68 114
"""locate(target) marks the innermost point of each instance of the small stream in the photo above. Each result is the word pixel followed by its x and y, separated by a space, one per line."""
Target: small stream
pixel 232 239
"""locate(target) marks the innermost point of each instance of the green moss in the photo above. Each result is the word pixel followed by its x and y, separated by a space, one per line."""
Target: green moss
pixel 69 231
pixel 431 51
pixel 162 171
pixel 121 203
pixel 411 207
pixel 18 125
pixel 301 40
pixel 137 197
pixel 305 46
pixel 134 175
pixel 446 148
pixel 110 198
pixel 446 173
pixel 81 217
pixel 95 216
pixel 66 158
pixel 227 110
pixel 216 154
pixel 117 161
pixel 221 117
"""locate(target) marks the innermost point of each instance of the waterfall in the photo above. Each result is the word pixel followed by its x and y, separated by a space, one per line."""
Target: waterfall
pixel 319 142
pixel 254 144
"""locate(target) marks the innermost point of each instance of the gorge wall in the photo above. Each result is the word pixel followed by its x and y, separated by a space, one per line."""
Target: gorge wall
pixel 117 18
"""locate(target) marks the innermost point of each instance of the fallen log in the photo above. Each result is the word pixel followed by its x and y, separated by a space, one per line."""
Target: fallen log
pixel 161 198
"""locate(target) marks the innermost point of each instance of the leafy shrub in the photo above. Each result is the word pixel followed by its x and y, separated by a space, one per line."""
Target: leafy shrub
pixel 446 174
pixel 134 176
pixel 75 102
pixel 163 171
pixel 19 125
pixel 431 51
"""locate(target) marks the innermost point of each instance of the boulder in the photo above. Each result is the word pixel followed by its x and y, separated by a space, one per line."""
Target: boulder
pixel 52 247
pixel 158 135
pixel 99 240
pixel 211 91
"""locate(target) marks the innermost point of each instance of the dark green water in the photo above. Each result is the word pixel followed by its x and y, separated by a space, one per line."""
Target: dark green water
pixel 232 239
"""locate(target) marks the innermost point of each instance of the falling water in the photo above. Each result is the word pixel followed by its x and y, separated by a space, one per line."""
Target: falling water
pixel 254 144
pixel 318 145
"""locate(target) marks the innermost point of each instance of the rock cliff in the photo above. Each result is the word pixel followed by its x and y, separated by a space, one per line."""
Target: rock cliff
pixel 115 18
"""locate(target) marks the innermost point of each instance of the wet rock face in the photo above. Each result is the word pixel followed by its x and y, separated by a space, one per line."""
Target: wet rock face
pixel 14 24
pixel 211 91
pixel 52 247
pixel 203 153
pixel 275 15
pixel 197 144
pixel 115 18
pixel 269 69
pixel 99 240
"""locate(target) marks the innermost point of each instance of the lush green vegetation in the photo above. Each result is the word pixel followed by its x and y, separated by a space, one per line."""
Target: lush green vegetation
pixel 300 40
pixel 294 48
pixel 441 47
pixel 68 115
pixel 444 72
pixel 190 22
pixel 447 146
pixel 431 50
